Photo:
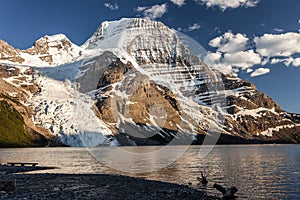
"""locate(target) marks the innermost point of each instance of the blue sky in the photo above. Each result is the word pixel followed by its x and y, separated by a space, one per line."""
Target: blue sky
pixel 259 40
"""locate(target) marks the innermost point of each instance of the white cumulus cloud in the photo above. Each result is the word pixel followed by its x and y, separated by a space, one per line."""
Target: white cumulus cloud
pixel 274 61
pixel 213 59
pixel 287 61
pixel 249 70
pixel 229 42
pixel 233 52
pixel 190 28
pixel 242 59
pixel 296 62
pixel 285 44
pixel 193 27
pixel 141 8
pixel 111 6
pixel 178 2
pixel 225 4
pixel 260 71
pixel 153 12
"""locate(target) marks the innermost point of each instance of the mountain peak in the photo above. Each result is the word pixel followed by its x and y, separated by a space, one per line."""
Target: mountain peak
pixel 53 40
pixel 59 41
pixel 56 49
pixel 110 29
pixel 55 37
pixel 114 27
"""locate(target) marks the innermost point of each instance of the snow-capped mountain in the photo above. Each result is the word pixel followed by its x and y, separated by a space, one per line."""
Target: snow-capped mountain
pixel 137 82
pixel 46 51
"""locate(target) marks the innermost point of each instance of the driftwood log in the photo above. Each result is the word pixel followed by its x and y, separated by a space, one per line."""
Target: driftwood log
pixel 228 193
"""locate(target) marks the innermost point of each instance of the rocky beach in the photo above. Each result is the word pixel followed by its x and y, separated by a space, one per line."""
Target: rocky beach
pixel 87 186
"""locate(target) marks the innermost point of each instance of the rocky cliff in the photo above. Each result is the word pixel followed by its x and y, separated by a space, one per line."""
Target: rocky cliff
pixel 8 53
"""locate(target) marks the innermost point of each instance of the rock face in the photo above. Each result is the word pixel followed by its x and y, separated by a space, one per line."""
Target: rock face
pixel 8 53
pixel 152 104
pixel 6 71
pixel 136 82
pixel 92 70
pixel 255 115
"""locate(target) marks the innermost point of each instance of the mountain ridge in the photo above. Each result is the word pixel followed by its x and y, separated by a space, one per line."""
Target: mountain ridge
pixel 48 51
pixel 135 82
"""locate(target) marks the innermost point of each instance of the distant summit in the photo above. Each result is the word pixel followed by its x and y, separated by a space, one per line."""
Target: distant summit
pixel 55 50
pixel 48 50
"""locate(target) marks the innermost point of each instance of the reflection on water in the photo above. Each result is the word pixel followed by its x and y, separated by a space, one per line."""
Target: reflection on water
pixel 258 171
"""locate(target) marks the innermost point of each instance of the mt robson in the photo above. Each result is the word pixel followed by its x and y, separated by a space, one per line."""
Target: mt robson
pixel 134 82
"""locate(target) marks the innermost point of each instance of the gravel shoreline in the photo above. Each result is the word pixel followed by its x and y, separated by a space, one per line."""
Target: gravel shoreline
pixel 6 169
pixel 94 186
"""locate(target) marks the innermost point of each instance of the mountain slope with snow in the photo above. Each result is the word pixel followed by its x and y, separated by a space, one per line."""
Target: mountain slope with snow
pixel 47 51
pixel 137 82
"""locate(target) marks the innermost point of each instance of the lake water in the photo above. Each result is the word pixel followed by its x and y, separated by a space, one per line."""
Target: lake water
pixel 258 171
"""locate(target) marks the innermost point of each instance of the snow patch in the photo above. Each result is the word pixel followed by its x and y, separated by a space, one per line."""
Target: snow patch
pixel 269 131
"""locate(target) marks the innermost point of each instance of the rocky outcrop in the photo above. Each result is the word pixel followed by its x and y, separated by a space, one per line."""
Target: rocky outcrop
pixel 7 71
pixel 8 53
pixel 114 72
pixel 254 115
pixel 93 69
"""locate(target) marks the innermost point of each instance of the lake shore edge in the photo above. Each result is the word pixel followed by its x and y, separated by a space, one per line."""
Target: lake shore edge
pixel 94 186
